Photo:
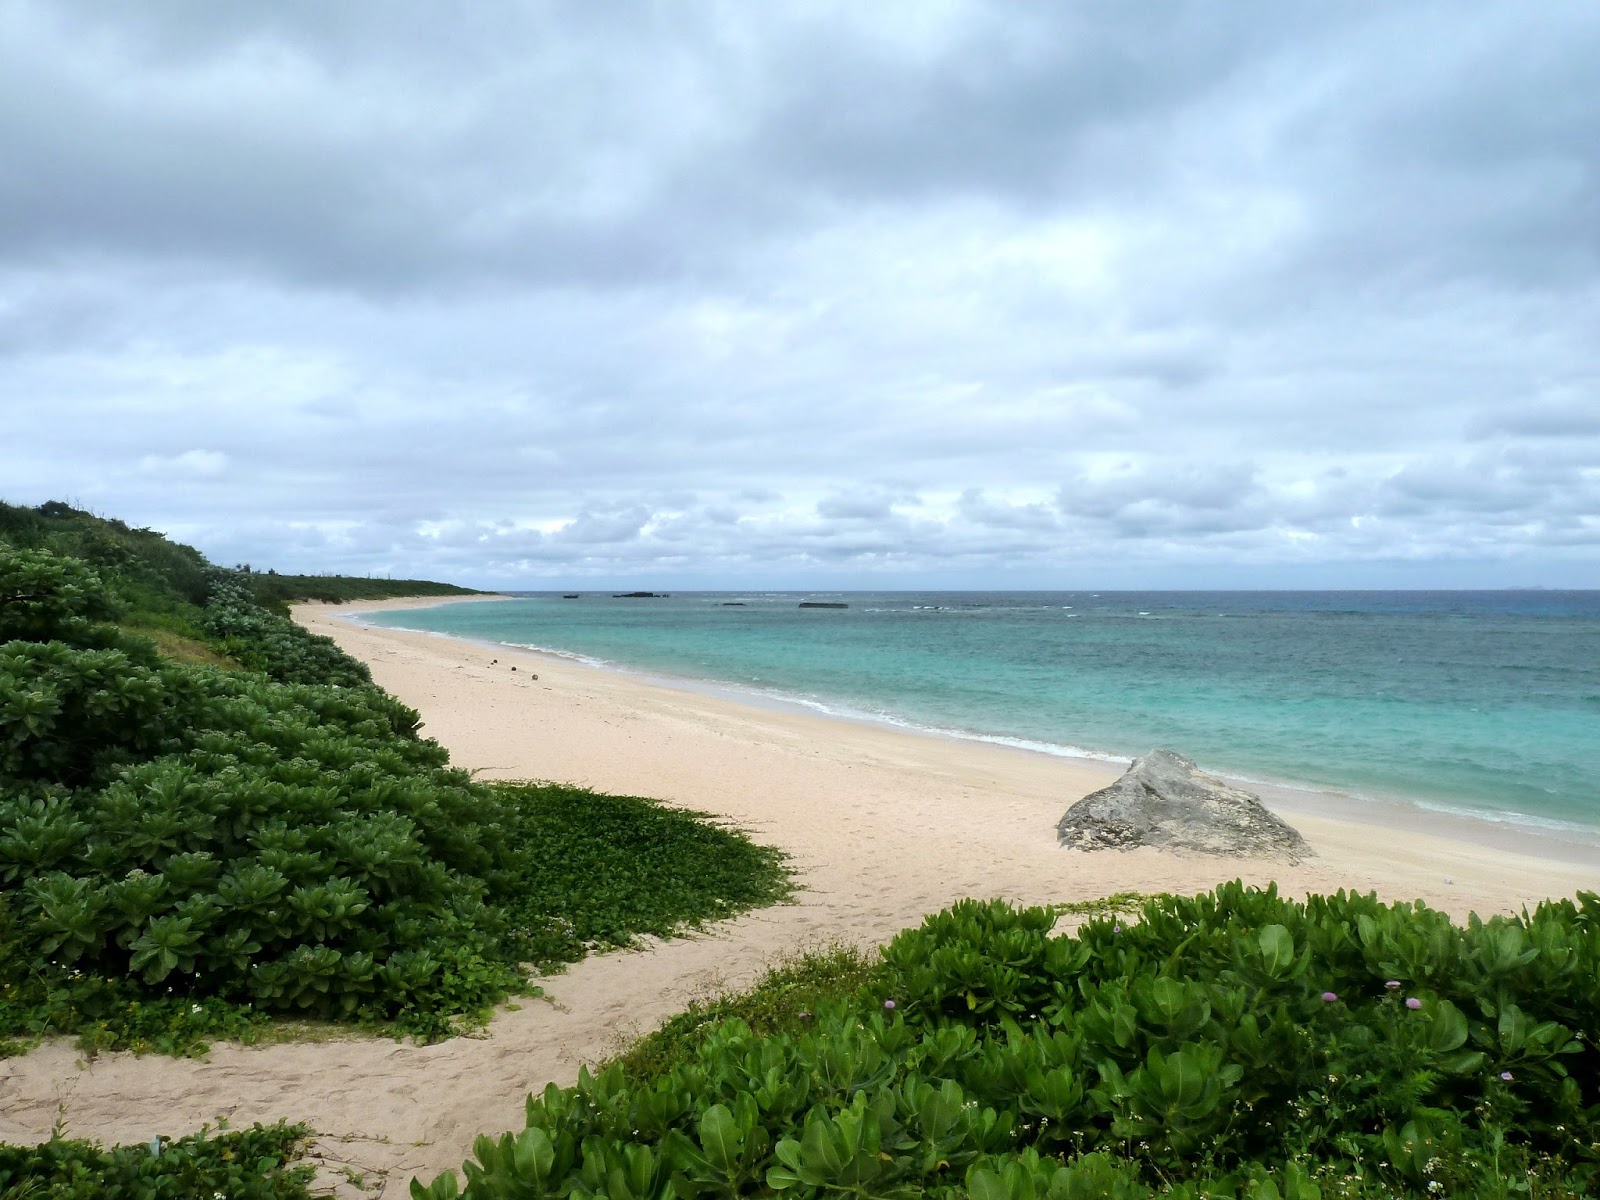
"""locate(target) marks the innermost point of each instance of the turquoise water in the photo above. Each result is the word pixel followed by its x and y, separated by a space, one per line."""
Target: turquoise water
pixel 1485 702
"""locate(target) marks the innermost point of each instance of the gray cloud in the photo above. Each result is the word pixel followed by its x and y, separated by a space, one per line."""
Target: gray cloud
pixel 620 525
pixel 783 292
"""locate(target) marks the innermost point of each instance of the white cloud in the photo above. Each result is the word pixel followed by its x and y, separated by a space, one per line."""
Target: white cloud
pixel 941 293
pixel 196 464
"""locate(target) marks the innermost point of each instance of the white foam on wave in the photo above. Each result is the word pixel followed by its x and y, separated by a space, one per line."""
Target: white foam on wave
pixel 967 609
pixel 1528 822
pixel 896 721
pixel 360 619
pixel 492 643
pixel 1499 817
pixel 587 660
pixel 1050 748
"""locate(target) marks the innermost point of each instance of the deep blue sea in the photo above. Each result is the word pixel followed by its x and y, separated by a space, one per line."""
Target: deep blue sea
pixel 1480 702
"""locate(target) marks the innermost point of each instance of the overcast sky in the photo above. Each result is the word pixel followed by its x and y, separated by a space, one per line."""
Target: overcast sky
pixel 813 294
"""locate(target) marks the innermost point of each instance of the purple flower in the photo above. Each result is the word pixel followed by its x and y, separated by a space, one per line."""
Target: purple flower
pixel 1506 1075
pixel 805 1016
pixel 1393 985
pixel 1329 997
pixel 1116 929
pixel 888 1006
pixel 1413 1002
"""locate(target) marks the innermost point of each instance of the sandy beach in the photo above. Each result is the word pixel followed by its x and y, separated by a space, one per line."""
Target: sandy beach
pixel 881 826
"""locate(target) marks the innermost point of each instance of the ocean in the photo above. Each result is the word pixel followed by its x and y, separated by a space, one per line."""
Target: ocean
pixel 1485 704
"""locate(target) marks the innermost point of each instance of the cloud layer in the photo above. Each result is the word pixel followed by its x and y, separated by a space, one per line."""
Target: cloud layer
pixel 894 295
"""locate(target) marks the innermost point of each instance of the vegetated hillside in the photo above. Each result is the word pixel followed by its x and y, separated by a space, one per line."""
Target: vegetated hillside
pixel 187 847
pixel 157 578
pixel 1235 1044
pixel 156 581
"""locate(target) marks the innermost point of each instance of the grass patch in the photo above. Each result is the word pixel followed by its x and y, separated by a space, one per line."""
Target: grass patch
pixel 593 871
pixel 180 648
pixel 785 1000
pixel 1120 904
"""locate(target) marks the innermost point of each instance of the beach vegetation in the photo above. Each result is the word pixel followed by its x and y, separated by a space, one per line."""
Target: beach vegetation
pixel 785 999
pixel 264 641
pixel 1231 1044
pixel 276 592
pixel 189 850
pixel 162 579
pixel 259 1163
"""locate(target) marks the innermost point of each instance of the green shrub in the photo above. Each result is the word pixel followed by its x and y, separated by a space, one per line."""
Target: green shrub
pixel 73 716
pixel 1233 1044
pixel 252 1164
pixel 145 569
pixel 307 854
pixel 183 849
pixel 785 1000
pixel 272 644
pixel 45 597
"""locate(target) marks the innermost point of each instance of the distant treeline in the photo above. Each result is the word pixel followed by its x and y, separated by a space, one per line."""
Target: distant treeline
pixel 271 590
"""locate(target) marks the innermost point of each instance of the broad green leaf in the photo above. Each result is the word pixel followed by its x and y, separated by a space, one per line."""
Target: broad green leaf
pixel 721 1138
pixel 1277 950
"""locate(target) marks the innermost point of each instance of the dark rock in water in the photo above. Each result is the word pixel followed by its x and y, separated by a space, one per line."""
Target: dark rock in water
pixel 571 595
pixel 733 604
pixel 822 604
pixel 640 596
pixel 1165 800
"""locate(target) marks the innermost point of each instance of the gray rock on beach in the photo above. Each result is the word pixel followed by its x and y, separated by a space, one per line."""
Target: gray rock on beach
pixel 1165 800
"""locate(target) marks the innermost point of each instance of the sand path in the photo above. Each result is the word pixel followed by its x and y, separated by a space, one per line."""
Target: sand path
pixel 881 826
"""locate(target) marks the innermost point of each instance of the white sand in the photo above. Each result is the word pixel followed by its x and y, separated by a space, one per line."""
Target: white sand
pixel 882 826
